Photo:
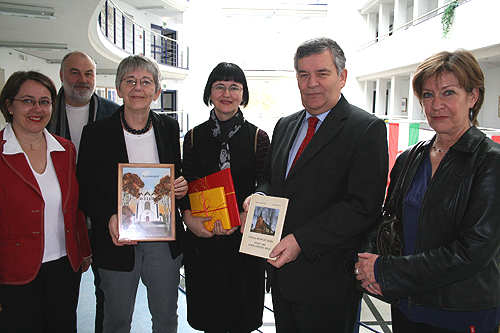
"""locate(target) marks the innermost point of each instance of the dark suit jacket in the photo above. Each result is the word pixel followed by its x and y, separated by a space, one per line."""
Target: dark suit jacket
pixel 336 189
pixel 102 147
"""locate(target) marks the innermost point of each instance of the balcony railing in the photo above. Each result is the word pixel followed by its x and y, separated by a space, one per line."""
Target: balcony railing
pixel 427 16
pixel 122 31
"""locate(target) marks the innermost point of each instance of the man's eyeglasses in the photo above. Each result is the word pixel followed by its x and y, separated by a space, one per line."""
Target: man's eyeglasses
pixel 146 83
pixel 220 88
pixel 28 102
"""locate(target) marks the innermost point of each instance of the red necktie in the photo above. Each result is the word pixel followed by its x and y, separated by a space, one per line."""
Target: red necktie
pixel 311 129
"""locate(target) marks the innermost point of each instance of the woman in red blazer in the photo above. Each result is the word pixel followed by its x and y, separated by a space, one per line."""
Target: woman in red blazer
pixel 44 245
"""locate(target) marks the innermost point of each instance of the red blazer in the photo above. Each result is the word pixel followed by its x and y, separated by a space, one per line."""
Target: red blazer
pixel 22 218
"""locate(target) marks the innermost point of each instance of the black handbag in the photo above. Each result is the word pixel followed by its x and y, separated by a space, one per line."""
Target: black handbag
pixel 389 235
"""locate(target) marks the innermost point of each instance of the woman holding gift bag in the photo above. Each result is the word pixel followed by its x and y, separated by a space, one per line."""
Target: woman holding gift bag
pixel 448 277
pixel 225 288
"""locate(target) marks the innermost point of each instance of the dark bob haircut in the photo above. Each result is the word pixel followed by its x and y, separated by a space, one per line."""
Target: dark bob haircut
pixel 226 71
pixel 463 64
pixel 13 85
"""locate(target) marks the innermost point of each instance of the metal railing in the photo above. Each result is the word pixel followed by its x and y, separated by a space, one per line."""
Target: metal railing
pixel 427 16
pixel 125 33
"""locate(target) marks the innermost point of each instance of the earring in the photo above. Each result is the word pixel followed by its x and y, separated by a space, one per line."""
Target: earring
pixel 471 114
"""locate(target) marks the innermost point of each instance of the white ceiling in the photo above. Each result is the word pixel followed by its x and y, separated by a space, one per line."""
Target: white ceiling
pixel 51 39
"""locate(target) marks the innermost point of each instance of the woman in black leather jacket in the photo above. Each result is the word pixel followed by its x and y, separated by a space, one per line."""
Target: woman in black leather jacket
pixel 448 279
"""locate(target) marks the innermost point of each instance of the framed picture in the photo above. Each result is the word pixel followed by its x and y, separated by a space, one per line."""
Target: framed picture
pixel 404 102
pixel 263 225
pixel 146 202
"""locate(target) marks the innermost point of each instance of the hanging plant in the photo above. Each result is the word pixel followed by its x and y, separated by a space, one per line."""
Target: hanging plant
pixel 447 17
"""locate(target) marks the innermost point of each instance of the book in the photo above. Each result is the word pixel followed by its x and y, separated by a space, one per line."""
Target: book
pixel 263 225
pixel 211 203
pixel 223 179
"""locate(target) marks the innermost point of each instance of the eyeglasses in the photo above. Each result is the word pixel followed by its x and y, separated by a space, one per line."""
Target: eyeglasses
pixel 233 89
pixel 28 102
pixel 145 83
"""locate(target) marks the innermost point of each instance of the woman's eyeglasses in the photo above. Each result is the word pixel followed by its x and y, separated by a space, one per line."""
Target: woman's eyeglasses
pixel 28 102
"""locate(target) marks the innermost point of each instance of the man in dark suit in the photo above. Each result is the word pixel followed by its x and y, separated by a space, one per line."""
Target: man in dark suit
pixel 336 189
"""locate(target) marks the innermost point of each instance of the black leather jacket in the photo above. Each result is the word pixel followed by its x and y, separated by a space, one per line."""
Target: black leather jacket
pixel 456 260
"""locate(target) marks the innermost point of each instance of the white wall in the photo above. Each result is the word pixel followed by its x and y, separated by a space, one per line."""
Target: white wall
pixel 12 61
pixel 489 114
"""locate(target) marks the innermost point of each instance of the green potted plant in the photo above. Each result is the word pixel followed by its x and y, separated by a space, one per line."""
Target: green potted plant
pixel 447 17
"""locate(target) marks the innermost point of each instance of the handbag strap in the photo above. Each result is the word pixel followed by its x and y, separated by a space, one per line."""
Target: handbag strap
pixel 409 160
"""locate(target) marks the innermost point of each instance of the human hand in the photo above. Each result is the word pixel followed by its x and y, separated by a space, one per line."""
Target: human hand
pixel 243 219
pixel 86 264
pixel 195 224
pixel 374 289
pixel 285 251
pixel 219 229
pixel 113 231
pixel 180 187
pixel 365 272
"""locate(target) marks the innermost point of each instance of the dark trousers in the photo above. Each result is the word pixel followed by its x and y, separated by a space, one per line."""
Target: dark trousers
pixel 47 304
pixel 401 324
pixel 292 317
pixel 99 301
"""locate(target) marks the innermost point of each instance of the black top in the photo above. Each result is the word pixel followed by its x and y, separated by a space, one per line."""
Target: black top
pixel 225 288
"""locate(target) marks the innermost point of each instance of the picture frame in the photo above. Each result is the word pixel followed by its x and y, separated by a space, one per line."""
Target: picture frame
pixel 146 202
pixel 264 225
pixel 404 104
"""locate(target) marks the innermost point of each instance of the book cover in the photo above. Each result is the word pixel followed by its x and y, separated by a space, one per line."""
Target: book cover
pixel 263 225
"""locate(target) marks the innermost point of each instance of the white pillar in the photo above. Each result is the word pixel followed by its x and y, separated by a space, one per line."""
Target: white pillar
pixel 371 20
pixel 384 19
pixel 420 7
pixel 368 92
pixel 400 8
pixel 414 108
pixel 396 97
pixel 380 99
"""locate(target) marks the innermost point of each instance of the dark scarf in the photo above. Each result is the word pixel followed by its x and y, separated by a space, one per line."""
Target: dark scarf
pixel 59 123
pixel 223 131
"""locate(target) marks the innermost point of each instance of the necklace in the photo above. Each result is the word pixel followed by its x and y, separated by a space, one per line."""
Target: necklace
pixel 133 131
pixel 439 150
pixel 31 144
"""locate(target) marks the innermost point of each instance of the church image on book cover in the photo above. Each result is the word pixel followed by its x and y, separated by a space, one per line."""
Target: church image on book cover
pixel 146 203
pixel 265 220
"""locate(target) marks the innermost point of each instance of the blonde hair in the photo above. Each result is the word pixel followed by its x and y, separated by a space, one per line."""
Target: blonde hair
pixel 463 64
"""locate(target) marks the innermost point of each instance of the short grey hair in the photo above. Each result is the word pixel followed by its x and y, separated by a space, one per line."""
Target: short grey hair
pixel 76 53
pixel 317 46
pixel 135 62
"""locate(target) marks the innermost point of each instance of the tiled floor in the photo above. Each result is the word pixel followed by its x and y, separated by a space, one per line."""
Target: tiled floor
pixel 142 322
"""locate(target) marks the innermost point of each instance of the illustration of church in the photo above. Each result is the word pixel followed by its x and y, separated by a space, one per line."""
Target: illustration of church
pixel 147 209
pixel 262 227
